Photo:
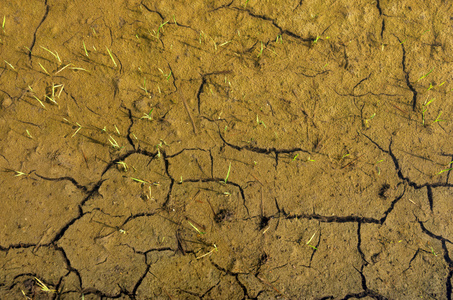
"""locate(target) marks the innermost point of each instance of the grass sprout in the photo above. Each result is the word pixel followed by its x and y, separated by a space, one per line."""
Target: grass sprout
pixel 42 67
pixel 438 119
pixel 425 108
pixel 308 243
pixel 145 89
pixel 196 229
pixel 25 295
pixel 228 173
pixel 167 76
pixel 19 173
pixel 210 252
pixel 78 129
pixel 43 287
pixel 54 54
pixel 117 130
pixel 261 50
pixel 139 180
pixel 80 69
pixel 85 48
pixel 111 56
pixel 423 76
pixel 40 102
pixel 11 66
pixel 123 164
pixel 446 170
pixel 52 96
pixel 61 69
pixel 316 40
pixel 148 116
pixel 156 34
pixel 113 142
pixel 260 122
pixel 366 123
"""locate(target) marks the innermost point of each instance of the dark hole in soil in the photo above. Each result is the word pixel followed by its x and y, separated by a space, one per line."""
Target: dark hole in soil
pixel 223 215
pixel 383 191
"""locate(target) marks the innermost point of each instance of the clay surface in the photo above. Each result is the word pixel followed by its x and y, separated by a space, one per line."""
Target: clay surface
pixel 226 149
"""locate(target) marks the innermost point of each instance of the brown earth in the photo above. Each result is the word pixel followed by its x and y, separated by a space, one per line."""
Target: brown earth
pixel 226 149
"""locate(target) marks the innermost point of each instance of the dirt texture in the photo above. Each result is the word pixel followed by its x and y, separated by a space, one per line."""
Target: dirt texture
pixel 226 149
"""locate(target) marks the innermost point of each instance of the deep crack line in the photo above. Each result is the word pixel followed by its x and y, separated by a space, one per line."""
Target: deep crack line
pixel 406 76
pixel 72 180
pixel 274 23
pixel 36 30
pixel 446 256
pixel 400 173
pixel 259 150
pixel 334 219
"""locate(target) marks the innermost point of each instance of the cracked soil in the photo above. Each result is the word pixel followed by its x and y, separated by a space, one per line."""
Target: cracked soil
pixel 226 149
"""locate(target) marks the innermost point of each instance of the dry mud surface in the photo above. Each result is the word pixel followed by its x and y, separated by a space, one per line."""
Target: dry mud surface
pixel 226 149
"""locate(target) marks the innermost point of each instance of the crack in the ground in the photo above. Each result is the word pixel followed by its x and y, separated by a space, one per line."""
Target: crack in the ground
pixel 406 75
pixel 72 180
pixel 366 291
pixel 222 181
pixel 378 6
pixel 129 133
pixel 346 219
pixel 359 244
pixel 446 256
pixel 360 81
pixel 274 23
pixel 36 30
pixel 399 171
pixel 203 82
pixel 236 276
pixel 259 150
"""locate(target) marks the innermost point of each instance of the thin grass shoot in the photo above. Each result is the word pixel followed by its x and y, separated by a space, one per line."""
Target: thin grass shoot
pixel 438 119
pixel 139 180
pixel 308 243
pixel 123 164
pixel 19 173
pixel 113 142
pixel 148 116
pixel 423 76
pixel 61 69
pixel 54 54
pixel 44 69
pixel 11 66
pixel 111 56
pixel 43 287
pixel 446 170
pixel 117 130
pixel 228 173
pixel 85 49
pixel 78 129
pixel 40 102
pixel 261 50
pixel 196 229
